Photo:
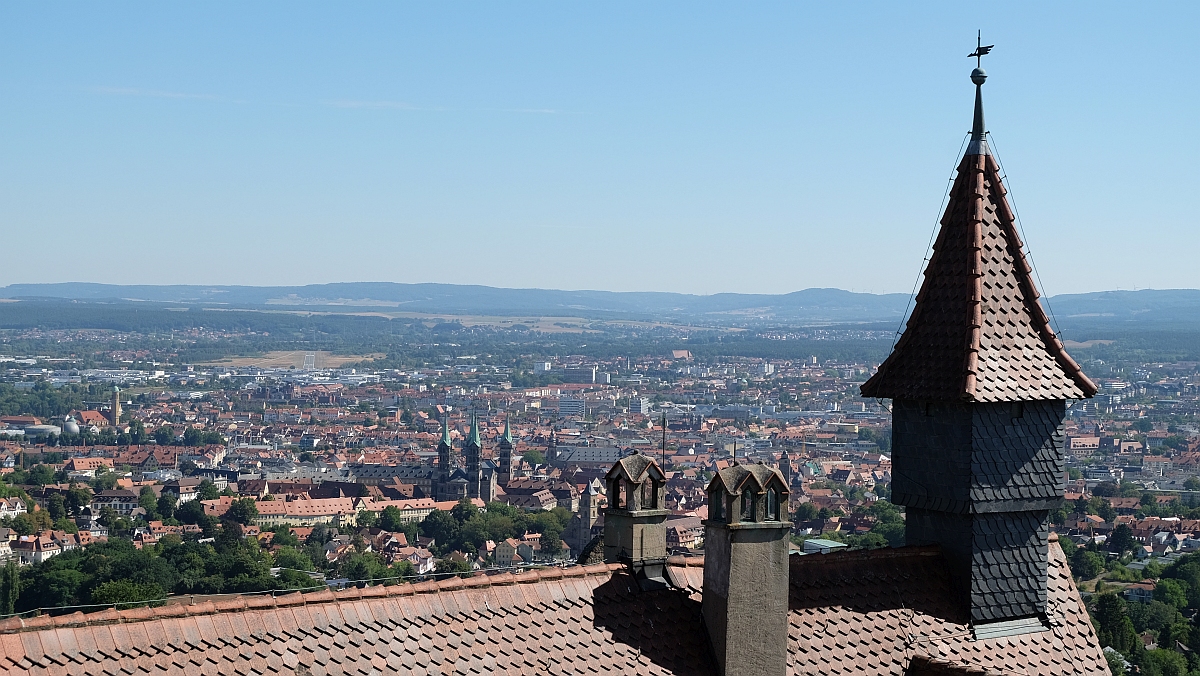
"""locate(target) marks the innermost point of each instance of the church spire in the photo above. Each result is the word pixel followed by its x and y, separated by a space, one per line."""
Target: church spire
pixel 446 431
pixel 473 437
pixel 977 331
pixel 507 436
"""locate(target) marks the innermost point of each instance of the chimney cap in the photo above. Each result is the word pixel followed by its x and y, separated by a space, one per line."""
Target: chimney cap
pixel 736 478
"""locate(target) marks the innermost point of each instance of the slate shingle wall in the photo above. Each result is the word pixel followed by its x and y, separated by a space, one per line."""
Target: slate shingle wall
pixel 978 479
pixel 1017 463
pixel 931 455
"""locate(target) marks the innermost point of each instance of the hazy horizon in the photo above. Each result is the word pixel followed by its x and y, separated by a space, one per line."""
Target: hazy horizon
pixel 677 148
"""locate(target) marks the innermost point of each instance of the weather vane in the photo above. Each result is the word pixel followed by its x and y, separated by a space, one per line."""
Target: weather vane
pixel 981 50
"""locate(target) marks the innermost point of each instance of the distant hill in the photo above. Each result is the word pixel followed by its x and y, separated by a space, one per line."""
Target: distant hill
pixel 1179 306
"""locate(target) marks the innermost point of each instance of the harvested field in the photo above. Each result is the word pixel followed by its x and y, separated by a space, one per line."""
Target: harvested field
pixel 284 359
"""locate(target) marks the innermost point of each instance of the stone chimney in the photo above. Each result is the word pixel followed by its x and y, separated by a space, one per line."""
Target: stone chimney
pixel 635 531
pixel 746 546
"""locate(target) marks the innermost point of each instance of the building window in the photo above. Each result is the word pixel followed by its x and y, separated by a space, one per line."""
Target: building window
pixel 649 495
pixel 747 505
pixel 615 494
pixel 716 505
pixel 773 505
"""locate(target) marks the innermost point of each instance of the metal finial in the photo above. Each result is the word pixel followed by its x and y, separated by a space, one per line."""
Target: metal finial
pixel 981 50
pixel 978 145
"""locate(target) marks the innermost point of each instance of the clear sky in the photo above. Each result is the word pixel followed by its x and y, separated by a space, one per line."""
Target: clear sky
pixel 750 147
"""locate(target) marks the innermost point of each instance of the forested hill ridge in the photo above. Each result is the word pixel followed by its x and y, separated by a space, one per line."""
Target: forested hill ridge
pixel 808 305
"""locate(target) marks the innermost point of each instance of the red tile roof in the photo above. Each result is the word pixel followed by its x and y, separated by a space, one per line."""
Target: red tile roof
pixel 584 619
pixel 871 612
pixel 866 612
pixel 977 331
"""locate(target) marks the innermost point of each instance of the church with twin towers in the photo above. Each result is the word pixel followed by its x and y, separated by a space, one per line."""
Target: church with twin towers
pixel 473 478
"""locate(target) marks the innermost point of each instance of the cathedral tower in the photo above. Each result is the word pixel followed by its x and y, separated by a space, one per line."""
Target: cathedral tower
pixel 504 448
pixel 472 458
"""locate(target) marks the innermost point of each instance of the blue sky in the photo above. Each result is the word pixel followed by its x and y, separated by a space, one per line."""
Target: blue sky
pixel 694 147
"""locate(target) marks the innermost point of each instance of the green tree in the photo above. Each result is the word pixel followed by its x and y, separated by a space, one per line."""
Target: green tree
pixel 287 557
pixel 366 518
pixel 1172 592
pixel 1121 539
pixel 1086 565
pixel 534 457
pixel 76 499
pixel 163 435
pixel 207 490
pixel 1116 665
pixel 391 519
pixel 10 588
pixel 41 475
pixel 57 506
pixel 448 566
pixel 166 505
pixel 551 542
pixel 23 524
pixel 242 511
pixel 1113 624
pixel 1163 662
pixel 126 594
pixel 148 501
pixel 443 528
pixel 805 511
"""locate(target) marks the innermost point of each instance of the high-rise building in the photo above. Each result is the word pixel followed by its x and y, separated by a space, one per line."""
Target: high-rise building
pixel 580 374
pixel 572 407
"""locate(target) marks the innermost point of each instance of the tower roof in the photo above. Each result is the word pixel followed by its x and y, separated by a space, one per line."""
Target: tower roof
pixel 473 437
pixel 507 436
pixel 445 431
pixel 977 332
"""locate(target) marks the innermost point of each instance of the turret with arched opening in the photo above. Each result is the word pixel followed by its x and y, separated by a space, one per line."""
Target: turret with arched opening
pixel 635 522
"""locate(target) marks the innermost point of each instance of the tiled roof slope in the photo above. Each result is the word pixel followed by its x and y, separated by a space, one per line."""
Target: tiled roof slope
pixel 977 331
pixel 891 610
pixel 585 620
pixel 887 611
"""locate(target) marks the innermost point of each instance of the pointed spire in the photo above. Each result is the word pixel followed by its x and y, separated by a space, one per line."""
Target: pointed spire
pixel 446 430
pixel 978 144
pixel 507 436
pixel 473 437
pixel 977 331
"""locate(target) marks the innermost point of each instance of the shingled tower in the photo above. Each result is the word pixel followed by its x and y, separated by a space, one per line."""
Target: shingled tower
pixel 979 383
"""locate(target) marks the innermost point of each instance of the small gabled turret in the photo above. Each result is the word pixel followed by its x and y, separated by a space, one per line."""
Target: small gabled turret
pixel 746 570
pixel 635 529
